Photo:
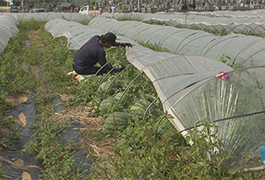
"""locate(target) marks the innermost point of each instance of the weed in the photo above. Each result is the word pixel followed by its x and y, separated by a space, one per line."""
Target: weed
pixel 10 132
pixel 58 159
pixel 149 148
pixel 35 62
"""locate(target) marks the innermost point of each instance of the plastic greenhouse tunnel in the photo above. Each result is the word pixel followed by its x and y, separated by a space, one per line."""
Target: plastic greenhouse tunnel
pixel 77 17
pixel 197 88
pixel 242 50
pixel 193 86
pixel 228 21
pixel 8 29
pixel 235 104
pixel 9 22
pixel 191 90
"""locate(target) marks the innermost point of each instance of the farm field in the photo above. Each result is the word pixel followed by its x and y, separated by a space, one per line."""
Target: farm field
pixel 180 79
pixel 149 148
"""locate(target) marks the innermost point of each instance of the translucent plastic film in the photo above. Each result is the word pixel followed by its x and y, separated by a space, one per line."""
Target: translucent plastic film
pixel 229 21
pixel 46 16
pixel 8 29
pixel 76 32
pixel 190 91
pixel 171 73
pixel 236 104
pixel 241 50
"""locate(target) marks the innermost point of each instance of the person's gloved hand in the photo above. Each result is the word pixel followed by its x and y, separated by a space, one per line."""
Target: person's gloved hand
pixel 120 69
pixel 117 70
pixel 126 44
pixel 114 70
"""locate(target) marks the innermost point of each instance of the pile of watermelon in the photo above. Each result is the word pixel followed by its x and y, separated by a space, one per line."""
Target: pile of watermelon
pixel 119 119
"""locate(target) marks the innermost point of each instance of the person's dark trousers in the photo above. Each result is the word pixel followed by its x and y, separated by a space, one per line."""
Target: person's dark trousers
pixel 88 71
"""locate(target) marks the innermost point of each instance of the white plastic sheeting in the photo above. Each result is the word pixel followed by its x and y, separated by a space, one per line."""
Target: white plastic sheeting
pixel 254 13
pixel 236 104
pixel 172 74
pixel 243 50
pixel 50 15
pixel 189 91
pixel 9 22
pixel 8 29
pixel 77 34
pixel 239 23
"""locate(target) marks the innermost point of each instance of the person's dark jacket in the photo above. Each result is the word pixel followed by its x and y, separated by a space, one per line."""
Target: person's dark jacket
pixel 91 53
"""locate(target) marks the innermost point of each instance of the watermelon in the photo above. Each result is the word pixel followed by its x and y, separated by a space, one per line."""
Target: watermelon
pixel 141 106
pixel 106 103
pixel 116 121
pixel 107 86
pixel 121 96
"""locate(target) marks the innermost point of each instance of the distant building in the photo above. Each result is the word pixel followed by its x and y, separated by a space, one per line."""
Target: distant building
pixel 67 7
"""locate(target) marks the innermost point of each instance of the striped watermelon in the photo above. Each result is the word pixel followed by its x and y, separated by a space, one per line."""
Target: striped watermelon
pixel 141 106
pixel 107 86
pixel 121 95
pixel 116 121
pixel 106 103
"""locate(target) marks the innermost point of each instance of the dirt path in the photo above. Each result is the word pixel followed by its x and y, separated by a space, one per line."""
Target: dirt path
pixel 15 162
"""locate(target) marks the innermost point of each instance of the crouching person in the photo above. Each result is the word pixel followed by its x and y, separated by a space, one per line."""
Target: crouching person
pixel 93 52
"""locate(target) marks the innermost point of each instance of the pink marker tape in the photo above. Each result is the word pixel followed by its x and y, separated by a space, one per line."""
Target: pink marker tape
pixel 222 75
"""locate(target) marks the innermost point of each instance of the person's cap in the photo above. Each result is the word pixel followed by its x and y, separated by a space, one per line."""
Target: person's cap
pixel 111 38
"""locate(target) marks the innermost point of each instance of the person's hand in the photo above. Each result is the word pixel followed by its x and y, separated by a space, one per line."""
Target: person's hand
pixel 126 44
pixel 120 69
pixel 117 70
